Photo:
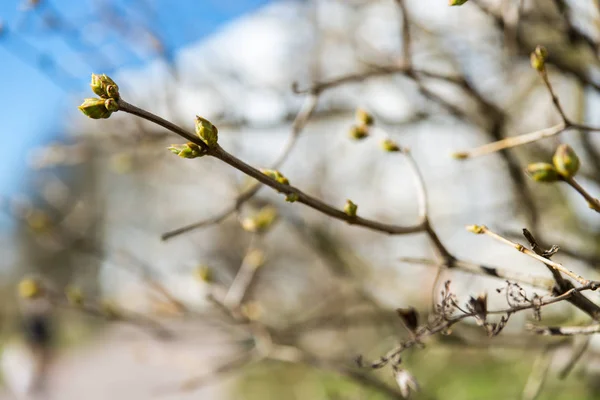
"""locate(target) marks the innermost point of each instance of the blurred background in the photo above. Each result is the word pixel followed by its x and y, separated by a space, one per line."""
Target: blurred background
pixel 85 203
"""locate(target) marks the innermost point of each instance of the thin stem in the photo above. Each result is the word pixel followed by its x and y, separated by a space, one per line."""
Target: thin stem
pixel 221 154
pixel 511 142
pixel 300 122
pixel 565 330
pixel 593 202
pixel 555 100
pixel 532 254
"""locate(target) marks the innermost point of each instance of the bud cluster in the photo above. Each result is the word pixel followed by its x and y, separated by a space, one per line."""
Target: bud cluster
pixel 279 177
pixel 565 164
pixel 107 103
pixel 364 120
pixel 188 150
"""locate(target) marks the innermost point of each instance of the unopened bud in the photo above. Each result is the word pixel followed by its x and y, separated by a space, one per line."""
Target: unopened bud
pixel 207 131
pixel 261 221
pixel 203 273
pixel 476 229
pixel 364 118
pixel 538 58
pixel 111 105
pixel 350 208
pixel 390 146
pixel 457 2
pixel 292 198
pixel 94 108
pixel 274 174
pixel 188 150
pixel 29 288
pixel 542 172
pixel 565 161
pixel 359 132
pixel 104 87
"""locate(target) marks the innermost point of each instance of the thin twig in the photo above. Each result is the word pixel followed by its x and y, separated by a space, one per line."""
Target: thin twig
pixel 484 229
pixel 221 154
pixel 593 202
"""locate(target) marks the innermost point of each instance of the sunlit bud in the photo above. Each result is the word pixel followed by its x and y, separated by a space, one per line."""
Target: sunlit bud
pixel 111 105
pixel 207 131
pixel 358 132
pixel 542 172
pixel 274 174
pixel 457 2
pixel 29 288
pixel 350 208
pixel 104 87
pixel 203 273
pixel 364 118
pixel 390 145
pixel 188 150
pixel 261 221
pixel 476 229
pixel 74 295
pixel 538 58
pixel 565 161
pixel 292 198
pixel 94 108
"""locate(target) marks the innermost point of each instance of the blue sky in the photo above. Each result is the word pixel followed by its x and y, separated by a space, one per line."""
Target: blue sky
pixel 37 91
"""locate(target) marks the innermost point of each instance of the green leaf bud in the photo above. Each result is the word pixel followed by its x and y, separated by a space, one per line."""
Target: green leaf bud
pixel 565 161
pixel 350 208
pixel 542 172
pixel 104 86
pixel 359 132
pixel 390 146
pixel 94 108
pixel 364 118
pixel 207 131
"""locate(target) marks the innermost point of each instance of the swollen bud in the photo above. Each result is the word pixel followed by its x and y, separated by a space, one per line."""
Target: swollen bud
pixel 292 198
pixel 29 288
pixel 95 108
pixel 457 2
pixel 538 58
pixel 188 150
pixel 542 172
pixel 350 208
pixel 390 146
pixel 358 132
pixel 364 118
pixel 104 87
pixel 203 273
pixel 274 174
pixel 566 161
pixel 207 131
pixel 261 221
pixel 111 105
pixel 476 229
